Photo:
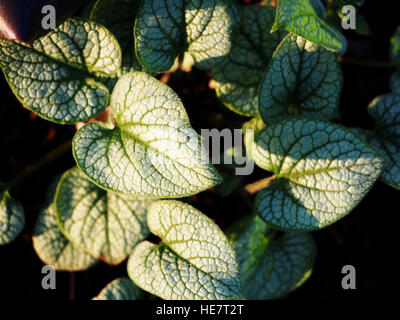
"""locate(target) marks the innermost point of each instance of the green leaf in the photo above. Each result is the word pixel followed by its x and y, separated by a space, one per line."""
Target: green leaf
pixel 54 76
pixel 53 248
pixel 119 289
pixel 238 78
pixel 270 266
pixel 12 218
pixel 104 224
pixel 319 8
pixel 395 82
pixel 322 172
pixel 302 78
pixel 119 16
pixel 165 29
pixel 386 138
pixel 194 261
pixel 395 46
pixel 153 151
pixel 300 18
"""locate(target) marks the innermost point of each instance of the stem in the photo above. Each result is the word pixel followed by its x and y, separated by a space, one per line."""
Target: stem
pixel 259 185
pixel 370 63
pixel 31 170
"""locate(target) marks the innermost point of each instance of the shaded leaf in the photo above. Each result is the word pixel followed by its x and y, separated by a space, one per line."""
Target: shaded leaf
pixel 303 78
pixel 12 218
pixel 238 78
pixel 271 267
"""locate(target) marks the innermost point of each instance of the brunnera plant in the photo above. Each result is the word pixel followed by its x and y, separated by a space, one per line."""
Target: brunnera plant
pixel 144 152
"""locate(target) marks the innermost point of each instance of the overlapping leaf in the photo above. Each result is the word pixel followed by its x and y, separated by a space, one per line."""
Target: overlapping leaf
pixel 322 172
pixel 303 78
pixel 238 78
pixel 104 224
pixel 54 76
pixel 12 218
pixel 53 248
pixel 119 289
pixel 300 18
pixel 165 29
pixel 271 267
pixel 386 137
pixel 153 151
pixel 194 261
pixel 119 16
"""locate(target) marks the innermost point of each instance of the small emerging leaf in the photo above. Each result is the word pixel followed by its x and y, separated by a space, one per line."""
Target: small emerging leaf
pixel 322 172
pixel 271 268
pixel 165 29
pixel 104 224
pixel 386 138
pixel 119 289
pixel 302 79
pixel 194 261
pixel 12 218
pixel 54 76
pixel 395 46
pixel 153 151
pixel 300 18
pixel 53 248
pixel 239 76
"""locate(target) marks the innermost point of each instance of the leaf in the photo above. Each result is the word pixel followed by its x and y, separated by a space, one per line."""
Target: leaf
pixel 104 224
pixel 119 289
pixel 238 78
pixel 300 18
pixel 319 8
pixel 395 46
pixel 386 137
pixel 194 261
pixel 153 151
pixel 167 28
pixel 53 248
pixel 395 82
pixel 54 76
pixel 12 218
pixel 322 172
pixel 119 16
pixel 302 78
pixel 271 267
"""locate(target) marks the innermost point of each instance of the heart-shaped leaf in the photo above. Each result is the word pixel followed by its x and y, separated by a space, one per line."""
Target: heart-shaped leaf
pixel 250 129
pixel 395 82
pixel 386 136
pixel 194 261
pixel 119 16
pixel 322 172
pixel 12 218
pixel 238 78
pixel 319 8
pixel 119 289
pixel 153 151
pixel 303 78
pixel 104 224
pixel 271 267
pixel 165 29
pixel 300 18
pixel 53 248
pixel 54 76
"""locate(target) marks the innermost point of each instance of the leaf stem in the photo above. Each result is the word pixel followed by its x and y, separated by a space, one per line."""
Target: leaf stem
pixel 260 184
pixel 33 169
pixel 370 63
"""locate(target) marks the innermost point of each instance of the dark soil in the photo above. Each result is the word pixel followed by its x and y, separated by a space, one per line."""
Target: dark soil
pixel 366 238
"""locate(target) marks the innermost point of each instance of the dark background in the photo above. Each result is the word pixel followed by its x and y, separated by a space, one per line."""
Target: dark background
pixel 367 238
